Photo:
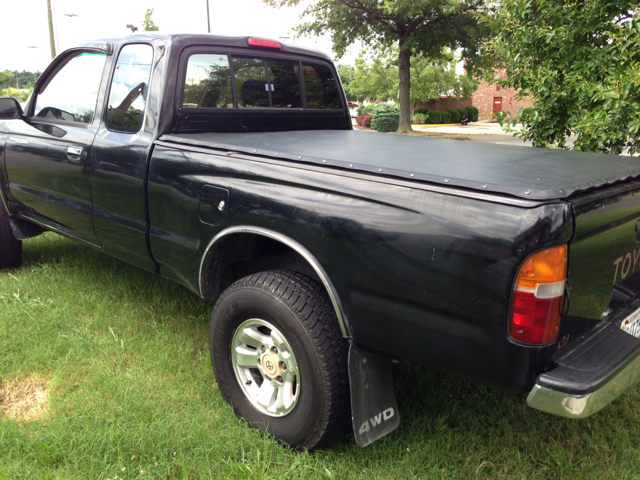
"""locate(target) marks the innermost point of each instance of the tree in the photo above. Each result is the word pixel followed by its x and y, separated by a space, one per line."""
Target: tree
pixel 147 24
pixel 414 26
pixel 579 61
pixel 5 78
pixel 435 78
pixel 377 78
pixel 346 73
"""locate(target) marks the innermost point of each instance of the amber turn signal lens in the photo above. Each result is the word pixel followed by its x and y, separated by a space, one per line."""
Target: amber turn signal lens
pixel 545 266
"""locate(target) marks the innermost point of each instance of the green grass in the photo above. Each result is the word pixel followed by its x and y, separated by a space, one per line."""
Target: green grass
pixel 132 395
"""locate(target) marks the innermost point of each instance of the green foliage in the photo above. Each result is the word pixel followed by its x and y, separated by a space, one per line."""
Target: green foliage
pixel 346 74
pixel 5 78
pixel 472 113
pixel 376 78
pixel 385 118
pixel 21 95
pixel 362 109
pixel 148 24
pixel 445 117
pixel 424 111
pixel 580 63
pixel 432 79
pixel 20 80
pixel 414 27
pixel 419 118
pixel 454 115
pixel 373 80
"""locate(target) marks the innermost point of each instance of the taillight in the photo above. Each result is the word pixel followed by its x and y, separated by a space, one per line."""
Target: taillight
pixel 536 302
pixel 264 42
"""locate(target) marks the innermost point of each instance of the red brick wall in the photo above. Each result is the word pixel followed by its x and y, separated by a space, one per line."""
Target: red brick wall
pixel 482 99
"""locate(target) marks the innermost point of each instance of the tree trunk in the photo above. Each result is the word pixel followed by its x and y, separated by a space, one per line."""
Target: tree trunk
pixel 405 88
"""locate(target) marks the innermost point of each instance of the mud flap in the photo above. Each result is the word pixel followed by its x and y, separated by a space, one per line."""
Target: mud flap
pixel 373 400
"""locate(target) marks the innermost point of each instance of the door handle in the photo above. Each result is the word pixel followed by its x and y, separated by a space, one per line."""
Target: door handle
pixel 74 154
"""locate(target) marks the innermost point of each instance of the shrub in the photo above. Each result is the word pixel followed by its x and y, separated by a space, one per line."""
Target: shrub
pixel 472 113
pixel 364 120
pixel 362 109
pixel 445 118
pixel 433 116
pixel 419 118
pixel 385 118
pixel 424 111
pixel 454 116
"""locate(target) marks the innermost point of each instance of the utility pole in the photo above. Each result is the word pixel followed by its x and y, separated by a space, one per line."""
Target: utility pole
pixel 208 21
pixel 52 42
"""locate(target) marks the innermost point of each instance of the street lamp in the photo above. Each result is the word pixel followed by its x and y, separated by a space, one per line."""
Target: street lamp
pixel 73 36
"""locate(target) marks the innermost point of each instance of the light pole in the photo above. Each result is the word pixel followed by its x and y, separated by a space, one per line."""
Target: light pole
pixel 208 20
pixel 73 36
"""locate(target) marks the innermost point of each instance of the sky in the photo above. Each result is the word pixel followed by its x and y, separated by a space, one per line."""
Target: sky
pixel 24 34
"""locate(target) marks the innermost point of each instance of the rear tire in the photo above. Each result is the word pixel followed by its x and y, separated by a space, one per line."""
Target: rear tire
pixel 10 248
pixel 280 359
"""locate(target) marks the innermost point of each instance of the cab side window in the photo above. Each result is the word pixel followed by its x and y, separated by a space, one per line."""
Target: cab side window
pixel 71 94
pixel 129 88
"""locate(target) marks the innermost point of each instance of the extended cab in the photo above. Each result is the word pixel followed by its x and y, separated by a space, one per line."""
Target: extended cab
pixel 230 166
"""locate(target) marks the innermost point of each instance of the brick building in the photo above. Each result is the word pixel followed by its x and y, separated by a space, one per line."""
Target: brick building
pixel 487 99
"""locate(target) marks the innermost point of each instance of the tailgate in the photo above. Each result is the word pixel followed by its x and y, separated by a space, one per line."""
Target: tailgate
pixel 604 255
pixel 597 357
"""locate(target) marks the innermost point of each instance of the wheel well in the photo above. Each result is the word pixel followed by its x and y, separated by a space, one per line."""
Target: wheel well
pixel 238 255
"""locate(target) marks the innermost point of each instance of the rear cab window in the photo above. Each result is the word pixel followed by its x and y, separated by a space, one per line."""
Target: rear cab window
pixel 256 82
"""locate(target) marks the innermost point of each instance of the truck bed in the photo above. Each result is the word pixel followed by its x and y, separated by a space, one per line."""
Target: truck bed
pixel 531 173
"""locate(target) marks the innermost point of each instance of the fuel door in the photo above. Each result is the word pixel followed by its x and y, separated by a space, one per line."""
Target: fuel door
pixel 214 205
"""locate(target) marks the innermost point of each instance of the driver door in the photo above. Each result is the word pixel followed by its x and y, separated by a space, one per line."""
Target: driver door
pixel 47 157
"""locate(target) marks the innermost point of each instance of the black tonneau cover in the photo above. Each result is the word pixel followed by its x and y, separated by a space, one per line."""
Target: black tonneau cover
pixel 535 173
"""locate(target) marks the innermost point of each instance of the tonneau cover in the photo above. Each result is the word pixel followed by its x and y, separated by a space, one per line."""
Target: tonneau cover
pixel 534 173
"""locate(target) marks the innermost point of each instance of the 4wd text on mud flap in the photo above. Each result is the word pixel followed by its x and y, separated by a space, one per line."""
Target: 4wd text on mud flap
pixel 376 420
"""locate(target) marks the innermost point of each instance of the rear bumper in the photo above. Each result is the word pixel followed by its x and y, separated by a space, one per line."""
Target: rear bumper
pixel 589 375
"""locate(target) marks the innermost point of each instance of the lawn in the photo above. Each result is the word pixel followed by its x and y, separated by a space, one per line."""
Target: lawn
pixel 105 373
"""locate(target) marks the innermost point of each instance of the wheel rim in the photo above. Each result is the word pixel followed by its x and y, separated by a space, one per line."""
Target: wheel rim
pixel 265 367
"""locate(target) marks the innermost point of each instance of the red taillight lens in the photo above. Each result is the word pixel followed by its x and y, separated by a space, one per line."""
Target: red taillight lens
pixel 536 302
pixel 264 42
pixel 534 320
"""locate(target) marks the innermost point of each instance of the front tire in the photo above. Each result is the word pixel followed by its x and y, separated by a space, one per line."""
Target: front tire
pixel 10 248
pixel 280 359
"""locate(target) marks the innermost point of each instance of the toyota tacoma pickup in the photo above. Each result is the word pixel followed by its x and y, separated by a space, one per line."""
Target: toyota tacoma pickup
pixel 229 165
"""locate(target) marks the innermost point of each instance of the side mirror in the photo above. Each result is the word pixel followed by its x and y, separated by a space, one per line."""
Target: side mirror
pixel 10 109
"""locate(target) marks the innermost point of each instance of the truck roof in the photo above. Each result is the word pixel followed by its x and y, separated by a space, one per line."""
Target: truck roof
pixel 182 40
pixel 525 172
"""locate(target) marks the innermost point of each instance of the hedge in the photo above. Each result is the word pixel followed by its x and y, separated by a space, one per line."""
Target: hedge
pixel 385 118
pixel 454 116
pixel 472 113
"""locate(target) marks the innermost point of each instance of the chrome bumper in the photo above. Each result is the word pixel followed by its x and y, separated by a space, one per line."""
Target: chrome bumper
pixel 582 406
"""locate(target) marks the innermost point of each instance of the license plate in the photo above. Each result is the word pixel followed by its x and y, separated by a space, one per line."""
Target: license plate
pixel 631 324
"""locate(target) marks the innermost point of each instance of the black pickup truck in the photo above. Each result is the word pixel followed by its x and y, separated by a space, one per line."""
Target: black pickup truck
pixel 230 166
